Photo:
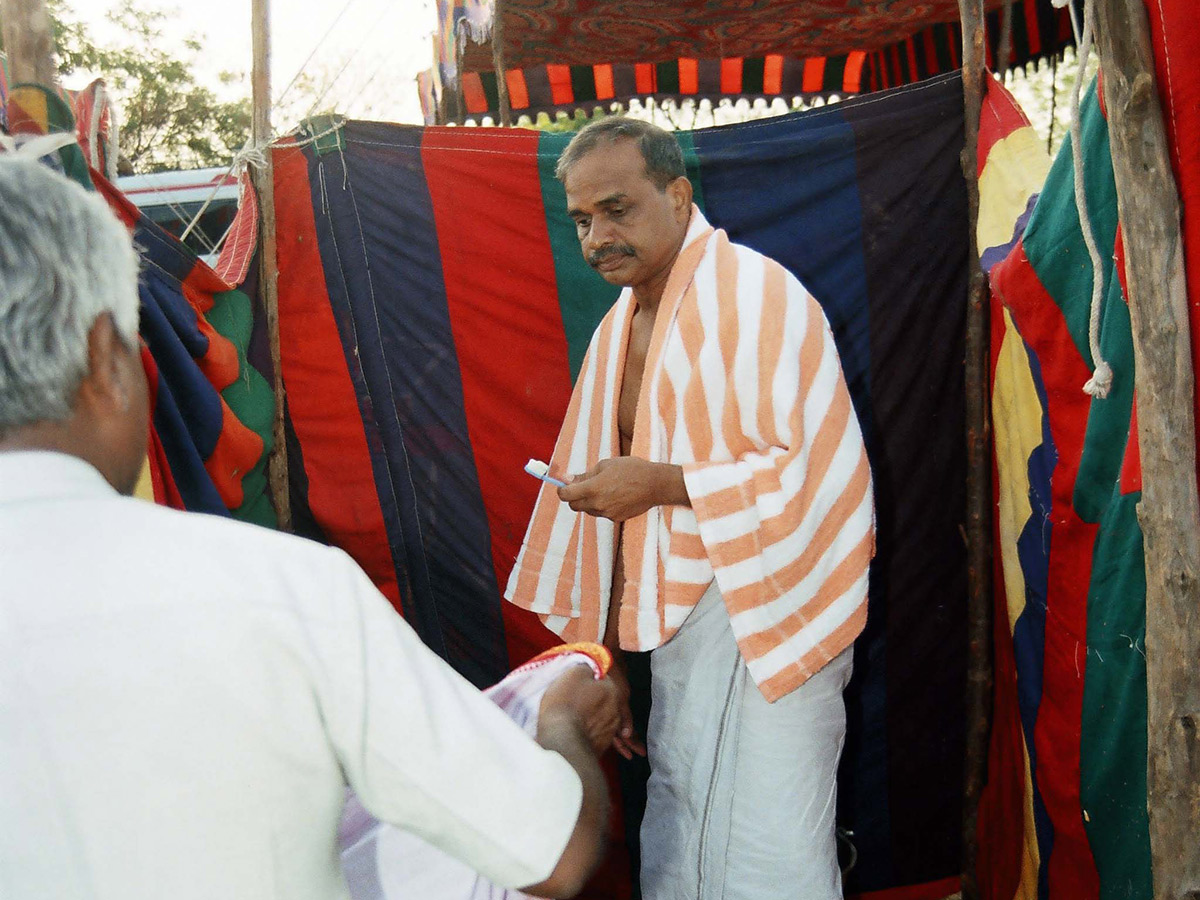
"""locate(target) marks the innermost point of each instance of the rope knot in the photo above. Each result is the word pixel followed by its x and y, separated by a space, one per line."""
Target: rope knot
pixel 1100 383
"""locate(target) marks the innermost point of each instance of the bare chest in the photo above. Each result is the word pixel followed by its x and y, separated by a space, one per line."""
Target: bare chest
pixel 631 380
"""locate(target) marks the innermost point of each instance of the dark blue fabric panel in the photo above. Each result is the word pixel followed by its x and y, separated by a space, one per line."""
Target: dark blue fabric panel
pixel 187 415
pixel 187 409
pixel 811 222
pixel 1029 632
pixel 384 279
pixel 865 203
pixel 915 252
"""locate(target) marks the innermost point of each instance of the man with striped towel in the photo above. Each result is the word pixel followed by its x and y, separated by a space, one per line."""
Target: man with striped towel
pixel 719 512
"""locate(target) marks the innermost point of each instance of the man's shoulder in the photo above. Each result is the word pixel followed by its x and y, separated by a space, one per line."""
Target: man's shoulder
pixel 218 536
pixel 745 253
pixel 747 256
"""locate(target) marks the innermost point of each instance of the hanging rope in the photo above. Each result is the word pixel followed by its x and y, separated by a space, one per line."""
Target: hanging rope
pixel 1101 381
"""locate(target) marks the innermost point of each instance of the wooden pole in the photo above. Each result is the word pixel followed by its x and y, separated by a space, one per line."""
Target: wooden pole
pixel 264 177
pixel 1004 52
pixel 28 42
pixel 978 437
pixel 498 64
pixel 1169 512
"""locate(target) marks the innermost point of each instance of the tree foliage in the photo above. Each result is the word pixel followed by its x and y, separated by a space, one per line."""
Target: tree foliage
pixel 168 120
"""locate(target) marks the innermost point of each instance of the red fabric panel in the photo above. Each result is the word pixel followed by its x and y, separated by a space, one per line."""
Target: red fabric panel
pixel 237 451
pixel 473 95
pixel 560 84
pixel 930 48
pixel 772 74
pixel 1175 33
pixel 513 399
pixel 321 399
pixel 852 79
pixel 731 75
pixel 1032 29
pixel 911 50
pixel 814 75
pixel 1072 870
pixel 238 250
pixel 165 491
pixel 604 82
pixel 643 74
pixel 689 76
pixel 999 118
pixel 220 363
pixel 518 93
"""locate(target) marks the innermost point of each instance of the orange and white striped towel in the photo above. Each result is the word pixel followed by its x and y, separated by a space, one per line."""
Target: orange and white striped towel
pixel 743 389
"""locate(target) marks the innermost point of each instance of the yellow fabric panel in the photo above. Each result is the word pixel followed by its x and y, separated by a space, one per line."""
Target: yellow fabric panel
pixel 144 490
pixel 1027 887
pixel 32 101
pixel 1017 422
pixel 1016 169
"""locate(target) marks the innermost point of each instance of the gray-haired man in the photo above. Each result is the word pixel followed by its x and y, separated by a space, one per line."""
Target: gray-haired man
pixel 183 699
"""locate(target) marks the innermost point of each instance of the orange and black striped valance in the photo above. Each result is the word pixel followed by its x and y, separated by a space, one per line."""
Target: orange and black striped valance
pixel 1039 31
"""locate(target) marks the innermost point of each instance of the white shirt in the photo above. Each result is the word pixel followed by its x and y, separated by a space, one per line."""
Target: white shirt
pixel 183 699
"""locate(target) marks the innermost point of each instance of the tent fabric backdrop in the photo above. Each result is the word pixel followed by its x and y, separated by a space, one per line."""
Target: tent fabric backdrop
pixel 1064 813
pixel 434 309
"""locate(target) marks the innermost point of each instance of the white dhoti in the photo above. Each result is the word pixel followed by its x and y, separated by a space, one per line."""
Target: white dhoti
pixel 743 793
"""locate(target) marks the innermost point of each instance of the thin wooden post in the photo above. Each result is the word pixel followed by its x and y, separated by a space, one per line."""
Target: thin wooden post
pixel 28 42
pixel 1004 52
pixel 264 177
pixel 498 64
pixel 1169 512
pixel 978 437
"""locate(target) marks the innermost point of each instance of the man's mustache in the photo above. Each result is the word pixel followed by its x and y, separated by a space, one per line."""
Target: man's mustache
pixel 594 259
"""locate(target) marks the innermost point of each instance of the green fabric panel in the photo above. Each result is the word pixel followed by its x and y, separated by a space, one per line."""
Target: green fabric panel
pixel 583 296
pixel 1108 419
pixel 753 73
pixel 60 120
pixel 692 162
pixel 1053 240
pixel 667 77
pixel 1060 259
pixel 251 399
pixel 331 137
pixel 1113 729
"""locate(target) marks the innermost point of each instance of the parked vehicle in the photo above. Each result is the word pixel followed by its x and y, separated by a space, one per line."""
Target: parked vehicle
pixel 173 199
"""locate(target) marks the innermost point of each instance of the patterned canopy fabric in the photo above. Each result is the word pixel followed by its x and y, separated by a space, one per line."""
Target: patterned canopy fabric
pixel 583 32
pixel 1039 31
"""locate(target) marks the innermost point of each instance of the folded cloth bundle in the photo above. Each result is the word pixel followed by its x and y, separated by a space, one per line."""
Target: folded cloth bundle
pixel 382 862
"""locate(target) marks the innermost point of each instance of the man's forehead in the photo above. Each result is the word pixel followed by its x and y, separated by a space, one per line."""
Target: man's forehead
pixel 610 171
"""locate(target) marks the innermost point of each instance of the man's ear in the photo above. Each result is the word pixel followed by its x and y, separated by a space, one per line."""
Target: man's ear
pixel 680 192
pixel 103 387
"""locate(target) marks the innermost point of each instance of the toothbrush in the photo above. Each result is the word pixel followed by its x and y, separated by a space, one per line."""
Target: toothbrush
pixel 539 469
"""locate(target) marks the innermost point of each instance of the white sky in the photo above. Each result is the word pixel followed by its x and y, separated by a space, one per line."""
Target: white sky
pixel 368 61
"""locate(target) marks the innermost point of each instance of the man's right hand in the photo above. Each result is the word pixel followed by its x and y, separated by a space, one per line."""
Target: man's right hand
pixel 593 705
pixel 626 742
